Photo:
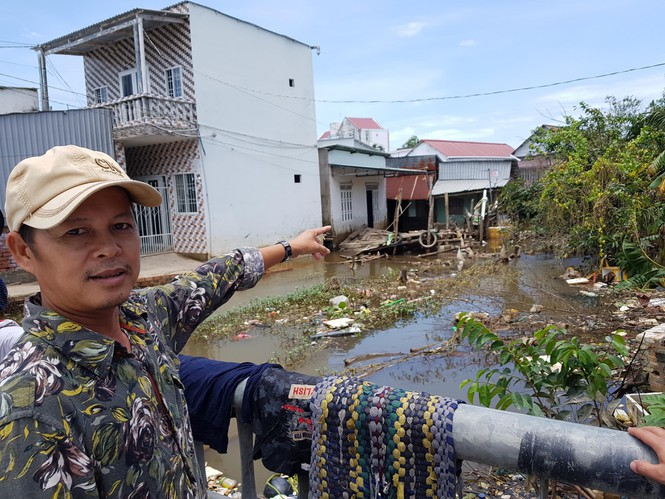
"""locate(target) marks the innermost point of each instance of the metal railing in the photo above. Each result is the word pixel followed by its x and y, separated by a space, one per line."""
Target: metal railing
pixel 154 226
pixel 589 456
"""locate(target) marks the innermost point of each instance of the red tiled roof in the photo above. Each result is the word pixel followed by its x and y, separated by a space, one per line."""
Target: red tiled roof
pixel 326 135
pixel 412 186
pixel 365 123
pixel 472 149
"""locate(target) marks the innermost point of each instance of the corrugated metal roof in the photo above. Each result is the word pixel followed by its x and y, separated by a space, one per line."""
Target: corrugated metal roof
pixel 364 170
pixel 412 187
pixel 112 29
pixel 456 186
pixel 365 123
pixel 120 27
pixel 458 148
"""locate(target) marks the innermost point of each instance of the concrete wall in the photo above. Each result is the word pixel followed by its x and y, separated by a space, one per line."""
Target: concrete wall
pixel 359 187
pixel 18 100
pixel 255 101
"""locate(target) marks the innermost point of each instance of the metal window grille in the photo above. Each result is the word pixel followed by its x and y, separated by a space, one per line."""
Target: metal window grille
pixel 347 205
pixel 101 95
pixel 174 82
pixel 154 225
pixel 185 192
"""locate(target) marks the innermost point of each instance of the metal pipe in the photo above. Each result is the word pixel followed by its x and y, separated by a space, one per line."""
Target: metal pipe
pixel 598 458
pixel 246 442
pixel 589 456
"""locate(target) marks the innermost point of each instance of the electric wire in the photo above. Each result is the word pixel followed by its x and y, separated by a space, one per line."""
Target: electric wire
pixel 54 71
pixel 447 97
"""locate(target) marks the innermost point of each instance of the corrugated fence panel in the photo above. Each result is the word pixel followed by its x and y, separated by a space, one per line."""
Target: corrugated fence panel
pixel 32 134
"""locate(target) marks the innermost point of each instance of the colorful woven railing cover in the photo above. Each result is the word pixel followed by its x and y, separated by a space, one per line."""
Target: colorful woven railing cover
pixel 374 441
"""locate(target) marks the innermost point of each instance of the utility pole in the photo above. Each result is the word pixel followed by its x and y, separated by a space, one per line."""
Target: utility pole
pixel 43 84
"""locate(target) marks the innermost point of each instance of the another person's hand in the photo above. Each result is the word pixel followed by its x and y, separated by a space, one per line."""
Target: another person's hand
pixel 309 242
pixel 654 437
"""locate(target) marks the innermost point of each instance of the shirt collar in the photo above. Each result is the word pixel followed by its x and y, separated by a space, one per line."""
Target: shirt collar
pixel 87 348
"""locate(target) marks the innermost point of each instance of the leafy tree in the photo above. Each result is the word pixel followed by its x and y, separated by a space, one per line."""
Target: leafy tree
pixel 597 194
pixel 519 201
pixel 412 142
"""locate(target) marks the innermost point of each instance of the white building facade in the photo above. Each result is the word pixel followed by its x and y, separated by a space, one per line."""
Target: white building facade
pixel 353 186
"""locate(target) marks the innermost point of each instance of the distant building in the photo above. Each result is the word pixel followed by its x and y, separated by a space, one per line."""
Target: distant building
pixel 364 130
pixel 533 165
pixel 466 170
pixel 409 195
pixel 353 186
pixel 18 100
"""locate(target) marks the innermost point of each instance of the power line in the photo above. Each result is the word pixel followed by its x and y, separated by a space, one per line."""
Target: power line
pixel 392 101
pixel 37 83
pixel 31 66
pixel 448 97
pixel 53 70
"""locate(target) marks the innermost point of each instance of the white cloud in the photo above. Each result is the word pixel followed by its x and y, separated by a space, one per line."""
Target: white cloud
pixel 410 29
pixel 648 87
pixel 380 83
pixel 399 137
pixel 445 121
pixel 32 35
pixel 486 134
pixel 468 43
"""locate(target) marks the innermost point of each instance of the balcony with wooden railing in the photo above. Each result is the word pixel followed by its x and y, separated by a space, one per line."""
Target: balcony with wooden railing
pixel 145 118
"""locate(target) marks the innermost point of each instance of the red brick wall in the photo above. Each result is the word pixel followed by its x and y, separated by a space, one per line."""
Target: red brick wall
pixel 7 263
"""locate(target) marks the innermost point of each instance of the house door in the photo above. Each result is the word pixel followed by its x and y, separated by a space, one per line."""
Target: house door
pixel 154 223
pixel 372 203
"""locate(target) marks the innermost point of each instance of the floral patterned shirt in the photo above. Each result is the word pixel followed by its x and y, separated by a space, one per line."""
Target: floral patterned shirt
pixel 80 416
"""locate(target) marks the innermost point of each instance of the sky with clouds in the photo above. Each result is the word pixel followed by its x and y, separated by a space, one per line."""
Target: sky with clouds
pixel 438 69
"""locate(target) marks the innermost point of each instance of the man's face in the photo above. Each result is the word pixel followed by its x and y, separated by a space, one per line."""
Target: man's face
pixel 90 262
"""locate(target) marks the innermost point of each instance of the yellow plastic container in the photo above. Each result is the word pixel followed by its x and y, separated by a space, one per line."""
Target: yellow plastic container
pixel 497 232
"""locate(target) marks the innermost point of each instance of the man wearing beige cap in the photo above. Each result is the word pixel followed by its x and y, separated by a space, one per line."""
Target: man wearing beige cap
pixel 91 404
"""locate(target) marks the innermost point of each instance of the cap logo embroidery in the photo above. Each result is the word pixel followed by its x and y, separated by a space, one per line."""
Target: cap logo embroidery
pixel 106 166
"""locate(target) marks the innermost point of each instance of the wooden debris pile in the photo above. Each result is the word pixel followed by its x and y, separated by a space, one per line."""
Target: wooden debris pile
pixel 365 239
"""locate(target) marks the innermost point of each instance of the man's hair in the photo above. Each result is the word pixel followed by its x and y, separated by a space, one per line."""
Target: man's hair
pixel 27 233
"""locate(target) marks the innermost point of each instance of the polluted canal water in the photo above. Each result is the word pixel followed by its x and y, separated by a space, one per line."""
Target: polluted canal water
pixel 530 280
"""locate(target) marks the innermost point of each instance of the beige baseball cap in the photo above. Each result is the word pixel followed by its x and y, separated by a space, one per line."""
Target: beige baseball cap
pixel 43 191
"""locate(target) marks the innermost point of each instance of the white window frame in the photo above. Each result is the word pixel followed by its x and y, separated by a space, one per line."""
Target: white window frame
pixel 173 83
pixel 123 74
pixel 101 94
pixel 135 80
pixel 346 197
pixel 184 186
pixel 374 188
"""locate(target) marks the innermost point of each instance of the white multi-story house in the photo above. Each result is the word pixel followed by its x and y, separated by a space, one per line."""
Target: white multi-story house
pixel 215 112
pixel 364 130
